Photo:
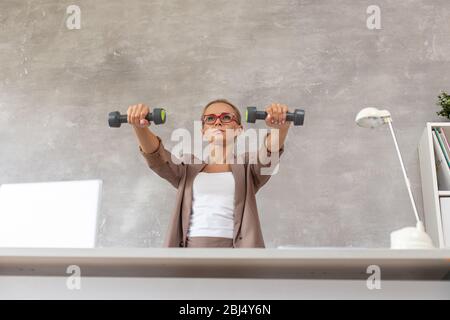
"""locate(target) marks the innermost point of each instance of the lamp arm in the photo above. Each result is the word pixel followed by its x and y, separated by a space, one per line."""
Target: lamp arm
pixel 408 185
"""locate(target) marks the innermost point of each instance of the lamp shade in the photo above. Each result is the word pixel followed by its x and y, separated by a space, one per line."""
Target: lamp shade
pixel 371 117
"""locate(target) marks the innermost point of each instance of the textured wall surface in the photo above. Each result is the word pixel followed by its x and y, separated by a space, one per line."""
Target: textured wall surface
pixel 338 184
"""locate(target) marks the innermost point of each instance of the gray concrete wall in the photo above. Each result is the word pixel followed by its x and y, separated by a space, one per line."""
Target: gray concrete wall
pixel 338 185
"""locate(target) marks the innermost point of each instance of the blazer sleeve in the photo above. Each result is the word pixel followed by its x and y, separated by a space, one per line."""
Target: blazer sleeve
pixel 260 178
pixel 160 161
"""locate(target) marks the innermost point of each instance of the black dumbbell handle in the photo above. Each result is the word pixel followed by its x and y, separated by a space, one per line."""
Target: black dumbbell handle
pixel 297 117
pixel 115 119
pixel 261 115
pixel 123 118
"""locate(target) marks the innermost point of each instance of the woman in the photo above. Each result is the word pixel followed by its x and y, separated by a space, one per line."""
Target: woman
pixel 215 203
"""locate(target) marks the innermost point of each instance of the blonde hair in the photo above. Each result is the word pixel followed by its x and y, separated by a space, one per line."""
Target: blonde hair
pixel 236 110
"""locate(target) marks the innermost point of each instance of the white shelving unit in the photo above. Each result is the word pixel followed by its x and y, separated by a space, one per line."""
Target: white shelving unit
pixel 430 192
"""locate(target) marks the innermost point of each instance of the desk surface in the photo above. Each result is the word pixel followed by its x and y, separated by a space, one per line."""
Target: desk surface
pixel 298 263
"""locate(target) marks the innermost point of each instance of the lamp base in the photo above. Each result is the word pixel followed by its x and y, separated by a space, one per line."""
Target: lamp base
pixel 411 238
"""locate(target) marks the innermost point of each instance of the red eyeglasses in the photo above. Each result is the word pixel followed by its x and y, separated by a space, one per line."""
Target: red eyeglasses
pixel 225 117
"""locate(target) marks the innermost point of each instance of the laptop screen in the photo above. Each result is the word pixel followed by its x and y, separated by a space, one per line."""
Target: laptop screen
pixel 49 214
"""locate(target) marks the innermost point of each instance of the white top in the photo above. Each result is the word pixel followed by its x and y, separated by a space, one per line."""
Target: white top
pixel 212 205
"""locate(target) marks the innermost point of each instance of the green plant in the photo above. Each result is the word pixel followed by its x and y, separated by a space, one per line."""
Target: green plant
pixel 444 102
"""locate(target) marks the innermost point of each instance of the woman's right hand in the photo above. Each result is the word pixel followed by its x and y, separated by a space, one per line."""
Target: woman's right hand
pixel 136 115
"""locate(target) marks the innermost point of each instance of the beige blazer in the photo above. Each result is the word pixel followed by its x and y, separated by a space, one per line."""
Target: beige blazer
pixel 248 180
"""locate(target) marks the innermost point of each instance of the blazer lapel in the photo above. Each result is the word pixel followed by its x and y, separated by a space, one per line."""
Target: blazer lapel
pixel 239 195
pixel 187 199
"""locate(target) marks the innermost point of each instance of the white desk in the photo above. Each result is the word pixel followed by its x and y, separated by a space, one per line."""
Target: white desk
pixel 250 269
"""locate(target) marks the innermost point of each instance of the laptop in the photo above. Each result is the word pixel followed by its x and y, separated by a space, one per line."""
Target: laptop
pixel 49 214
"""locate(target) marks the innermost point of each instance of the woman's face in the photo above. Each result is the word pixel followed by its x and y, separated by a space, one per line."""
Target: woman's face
pixel 217 130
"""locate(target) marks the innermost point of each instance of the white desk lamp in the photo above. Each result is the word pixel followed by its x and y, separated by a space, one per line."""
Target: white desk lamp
pixel 410 237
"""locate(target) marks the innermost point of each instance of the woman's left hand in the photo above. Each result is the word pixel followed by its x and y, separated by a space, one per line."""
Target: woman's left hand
pixel 276 116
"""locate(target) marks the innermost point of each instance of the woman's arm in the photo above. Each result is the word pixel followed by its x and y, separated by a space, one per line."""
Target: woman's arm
pixel 271 142
pixel 273 145
pixel 266 162
pixel 136 117
pixel 148 141
pixel 151 147
pixel 276 118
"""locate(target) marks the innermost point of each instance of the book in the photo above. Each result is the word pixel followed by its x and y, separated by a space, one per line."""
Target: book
pixel 445 142
pixel 445 216
pixel 442 168
pixel 441 144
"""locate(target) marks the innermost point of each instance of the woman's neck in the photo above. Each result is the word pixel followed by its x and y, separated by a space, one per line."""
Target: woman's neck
pixel 220 154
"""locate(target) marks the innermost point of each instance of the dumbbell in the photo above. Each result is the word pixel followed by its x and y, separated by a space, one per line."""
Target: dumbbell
pixel 115 119
pixel 298 116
